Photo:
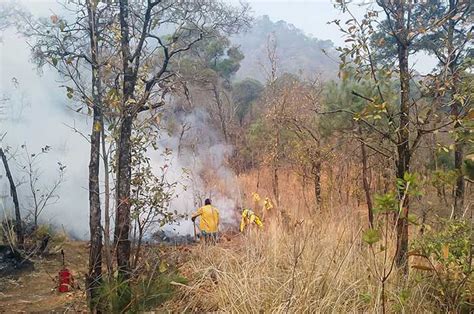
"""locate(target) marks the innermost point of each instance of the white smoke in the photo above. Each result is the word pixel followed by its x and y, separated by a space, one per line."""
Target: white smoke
pixel 37 114
pixel 202 156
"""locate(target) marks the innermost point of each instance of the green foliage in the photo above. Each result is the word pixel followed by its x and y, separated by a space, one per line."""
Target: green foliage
pixel 227 66
pixel 468 167
pixel 409 184
pixel 445 159
pixel 210 60
pixel 413 219
pixel 371 236
pixel 386 203
pixel 366 297
pixel 441 178
pixel 56 238
pixel 151 192
pixel 244 94
pixel 448 250
pixel 401 300
pixel 449 245
pixel 152 293
pixel 149 290
pixel 349 109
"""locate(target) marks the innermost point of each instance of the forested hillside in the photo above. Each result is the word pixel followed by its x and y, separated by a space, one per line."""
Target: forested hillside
pixel 186 156
pixel 297 52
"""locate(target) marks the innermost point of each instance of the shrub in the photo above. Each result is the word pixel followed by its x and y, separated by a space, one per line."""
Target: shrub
pixel 447 256
pixel 152 288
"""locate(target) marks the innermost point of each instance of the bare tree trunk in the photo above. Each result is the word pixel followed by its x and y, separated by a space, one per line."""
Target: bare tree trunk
pixel 275 184
pixel 32 181
pixel 105 159
pixel 94 276
pixel 458 160
pixel 303 189
pixel 365 182
pixel 458 144
pixel 317 182
pixel 18 227
pixel 220 112
pixel 403 149
pixel 139 245
pixel 122 220
pixel 275 162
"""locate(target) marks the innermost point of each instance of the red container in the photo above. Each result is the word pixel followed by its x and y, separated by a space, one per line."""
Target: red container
pixel 65 280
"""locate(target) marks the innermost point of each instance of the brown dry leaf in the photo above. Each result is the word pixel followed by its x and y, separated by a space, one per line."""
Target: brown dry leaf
pixel 422 267
pixel 445 251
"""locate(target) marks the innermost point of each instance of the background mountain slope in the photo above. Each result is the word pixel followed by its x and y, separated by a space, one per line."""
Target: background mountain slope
pixel 297 52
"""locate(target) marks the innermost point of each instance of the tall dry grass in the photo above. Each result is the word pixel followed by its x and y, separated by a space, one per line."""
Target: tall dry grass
pixel 318 265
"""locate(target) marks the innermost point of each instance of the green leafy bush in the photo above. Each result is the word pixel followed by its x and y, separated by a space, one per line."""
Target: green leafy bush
pixel 149 290
pixel 447 256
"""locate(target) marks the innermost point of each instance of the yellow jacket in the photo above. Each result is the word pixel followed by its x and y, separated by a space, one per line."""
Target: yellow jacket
pixel 249 217
pixel 267 204
pixel 209 218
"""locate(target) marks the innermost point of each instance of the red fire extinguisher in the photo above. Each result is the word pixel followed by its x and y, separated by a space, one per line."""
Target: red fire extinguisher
pixel 65 278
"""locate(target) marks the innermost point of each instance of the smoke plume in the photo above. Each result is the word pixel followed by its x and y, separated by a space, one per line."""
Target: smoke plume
pixel 36 113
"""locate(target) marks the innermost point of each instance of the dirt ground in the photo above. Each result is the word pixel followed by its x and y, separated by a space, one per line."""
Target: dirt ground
pixel 36 290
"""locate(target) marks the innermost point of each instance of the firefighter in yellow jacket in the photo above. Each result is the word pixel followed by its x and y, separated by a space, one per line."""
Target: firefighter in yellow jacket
pixel 208 222
pixel 248 218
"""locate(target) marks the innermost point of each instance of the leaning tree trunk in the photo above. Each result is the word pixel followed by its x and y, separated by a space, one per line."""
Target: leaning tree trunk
pixel 18 227
pixel 94 276
pixel 403 149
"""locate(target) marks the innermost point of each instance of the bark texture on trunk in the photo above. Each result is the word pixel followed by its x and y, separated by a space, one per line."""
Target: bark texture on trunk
pixel 122 220
pixel 403 148
pixel 94 276
pixel 275 187
pixel 18 225
pixel 107 243
pixel 316 170
pixel 456 111
pixel 365 184
pixel 220 112
pixel 275 166
pixel 459 189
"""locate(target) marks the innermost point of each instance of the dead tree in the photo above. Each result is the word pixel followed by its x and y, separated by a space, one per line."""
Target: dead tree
pixel 18 224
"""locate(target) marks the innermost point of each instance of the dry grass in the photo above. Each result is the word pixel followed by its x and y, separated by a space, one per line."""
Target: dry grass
pixel 313 266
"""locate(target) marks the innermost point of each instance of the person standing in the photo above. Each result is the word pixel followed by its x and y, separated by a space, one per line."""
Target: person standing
pixel 208 221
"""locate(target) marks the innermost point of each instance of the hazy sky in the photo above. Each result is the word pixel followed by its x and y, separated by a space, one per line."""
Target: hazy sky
pixel 312 16
pixel 309 15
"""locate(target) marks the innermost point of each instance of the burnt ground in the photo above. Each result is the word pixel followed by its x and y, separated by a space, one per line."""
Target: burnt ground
pixel 34 289
pixel 12 262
